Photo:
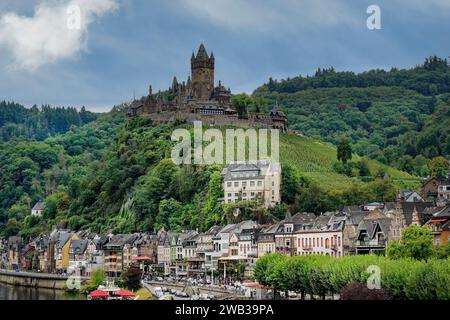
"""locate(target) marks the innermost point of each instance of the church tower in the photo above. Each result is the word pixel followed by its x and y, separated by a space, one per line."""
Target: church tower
pixel 202 68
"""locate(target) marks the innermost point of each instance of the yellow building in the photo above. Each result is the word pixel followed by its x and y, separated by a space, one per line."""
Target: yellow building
pixel 62 248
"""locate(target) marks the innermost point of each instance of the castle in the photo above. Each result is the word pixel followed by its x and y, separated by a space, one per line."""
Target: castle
pixel 198 99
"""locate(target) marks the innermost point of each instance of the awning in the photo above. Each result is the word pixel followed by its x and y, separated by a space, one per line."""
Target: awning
pixel 124 293
pixel 141 259
pixel 438 220
pixel 99 294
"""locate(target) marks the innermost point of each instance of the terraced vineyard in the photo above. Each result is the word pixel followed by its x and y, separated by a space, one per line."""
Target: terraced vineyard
pixel 315 160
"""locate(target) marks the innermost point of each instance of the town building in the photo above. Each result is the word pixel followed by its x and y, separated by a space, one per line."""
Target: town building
pixel 266 240
pixel 205 247
pixel 373 233
pixel 116 259
pixel 324 236
pixel 408 196
pixel 439 224
pixel 252 181
pixel 61 240
pixel 38 209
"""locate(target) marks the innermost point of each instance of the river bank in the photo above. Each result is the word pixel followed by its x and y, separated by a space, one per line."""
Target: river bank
pixel 10 292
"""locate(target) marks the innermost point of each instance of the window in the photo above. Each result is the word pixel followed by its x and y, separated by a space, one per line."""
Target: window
pixel 252 194
pixel 252 183
pixel 244 184
pixel 229 184
pixel 230 195
pixel 236 184
pixel 259 183
pixel 244 194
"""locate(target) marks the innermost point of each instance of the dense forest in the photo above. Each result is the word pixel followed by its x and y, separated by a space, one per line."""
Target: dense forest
pixel 16 121
pixel 399 117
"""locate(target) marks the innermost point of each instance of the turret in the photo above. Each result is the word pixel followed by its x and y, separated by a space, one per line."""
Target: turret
pixel 202 68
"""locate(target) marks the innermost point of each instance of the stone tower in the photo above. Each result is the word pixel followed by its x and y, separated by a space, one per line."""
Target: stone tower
pixel 202 68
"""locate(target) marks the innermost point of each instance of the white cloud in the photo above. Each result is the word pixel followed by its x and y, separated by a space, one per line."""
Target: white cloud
pixel 45 37
pixel 267 16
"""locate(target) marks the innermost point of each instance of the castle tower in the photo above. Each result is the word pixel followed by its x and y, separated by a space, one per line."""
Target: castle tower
pixel 202 68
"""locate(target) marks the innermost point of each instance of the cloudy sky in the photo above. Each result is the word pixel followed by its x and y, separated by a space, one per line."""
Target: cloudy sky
pixel 118 47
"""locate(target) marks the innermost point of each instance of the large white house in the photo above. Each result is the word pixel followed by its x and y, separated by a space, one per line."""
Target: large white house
pixel 252 180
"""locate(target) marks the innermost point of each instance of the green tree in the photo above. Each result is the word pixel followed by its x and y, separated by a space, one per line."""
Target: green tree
pixel 439 166
pixel 344 151
pixel 416 243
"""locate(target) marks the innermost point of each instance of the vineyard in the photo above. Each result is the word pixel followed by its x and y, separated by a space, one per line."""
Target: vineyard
pixel 315 160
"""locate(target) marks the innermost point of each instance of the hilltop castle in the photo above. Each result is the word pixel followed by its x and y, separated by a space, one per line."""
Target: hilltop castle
pixel 198 99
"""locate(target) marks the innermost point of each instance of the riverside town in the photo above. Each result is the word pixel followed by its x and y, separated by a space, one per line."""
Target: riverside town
pixel 235 158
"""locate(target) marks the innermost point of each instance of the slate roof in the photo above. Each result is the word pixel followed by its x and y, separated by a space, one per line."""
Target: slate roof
pixel 442 212
pixel 408 209
pixel 39 205
pixel 121 239
pixel 78 246
pixel 245 170
pixel 61 237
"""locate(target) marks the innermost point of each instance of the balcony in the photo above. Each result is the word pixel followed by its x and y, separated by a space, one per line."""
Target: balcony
pixel 372 243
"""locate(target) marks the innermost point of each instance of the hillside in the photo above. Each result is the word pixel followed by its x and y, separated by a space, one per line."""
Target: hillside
pixel 398 117
pixel 114 174
pixel 315 160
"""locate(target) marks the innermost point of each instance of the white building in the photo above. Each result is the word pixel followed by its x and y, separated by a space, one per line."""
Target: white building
pixel 252 180
pixel 38 209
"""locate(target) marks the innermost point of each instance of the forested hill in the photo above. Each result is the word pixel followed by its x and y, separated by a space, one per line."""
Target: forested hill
pixel 16 121
pixel 115 173
pixel 430 78
pixel 399 117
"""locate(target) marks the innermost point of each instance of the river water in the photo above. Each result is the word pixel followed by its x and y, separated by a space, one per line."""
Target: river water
pixel 8 292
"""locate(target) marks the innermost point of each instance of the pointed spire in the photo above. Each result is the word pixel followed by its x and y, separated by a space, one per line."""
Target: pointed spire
pixel 202 54
pixel 212 56
pixel 193 56
pixel 288 216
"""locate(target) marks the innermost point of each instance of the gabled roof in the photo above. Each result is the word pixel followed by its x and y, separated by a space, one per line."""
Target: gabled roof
pixel 373 220
pixel 61 238
pixel 122 239
pixel 39 205
pixel 442 212
pixel 78 246
pixel 408 209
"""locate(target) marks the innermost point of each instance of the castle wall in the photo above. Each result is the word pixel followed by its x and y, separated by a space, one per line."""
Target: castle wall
pixel 217 120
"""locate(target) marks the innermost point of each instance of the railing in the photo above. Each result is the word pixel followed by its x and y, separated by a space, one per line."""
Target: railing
pixel 378 243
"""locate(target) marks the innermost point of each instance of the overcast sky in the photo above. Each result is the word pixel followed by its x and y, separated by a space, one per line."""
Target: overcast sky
pixel 121 46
